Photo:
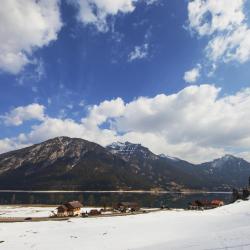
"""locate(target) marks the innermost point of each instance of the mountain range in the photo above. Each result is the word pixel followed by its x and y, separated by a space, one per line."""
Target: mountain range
pixel 65 163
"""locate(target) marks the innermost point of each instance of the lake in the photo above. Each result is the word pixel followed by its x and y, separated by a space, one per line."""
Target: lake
pixel 88 198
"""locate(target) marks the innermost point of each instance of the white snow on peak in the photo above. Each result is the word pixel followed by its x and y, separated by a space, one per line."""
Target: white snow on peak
pixel 169 157
pixel 124 146
pixel 226 158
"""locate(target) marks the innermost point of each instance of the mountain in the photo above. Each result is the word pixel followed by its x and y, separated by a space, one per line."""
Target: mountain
pixel 164 171
pixel 221 174
pixel 65 163
pixel 229 170
pixel 131 151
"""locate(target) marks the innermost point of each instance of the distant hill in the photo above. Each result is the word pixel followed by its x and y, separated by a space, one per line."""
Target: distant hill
pixel 65 163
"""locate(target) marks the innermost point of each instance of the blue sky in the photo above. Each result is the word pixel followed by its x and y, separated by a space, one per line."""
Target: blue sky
pixel 75 66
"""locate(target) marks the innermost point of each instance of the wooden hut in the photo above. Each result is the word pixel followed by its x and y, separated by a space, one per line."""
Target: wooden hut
pixel 72 208
pixel 62 211
pixel 205 204
pixel 217 203
pixel 127 206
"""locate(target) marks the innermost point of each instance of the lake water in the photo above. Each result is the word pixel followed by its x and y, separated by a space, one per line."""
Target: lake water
pixel 151 200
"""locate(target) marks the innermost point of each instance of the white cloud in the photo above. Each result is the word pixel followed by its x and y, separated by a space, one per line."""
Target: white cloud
pixel 209 16
pixel 226 25
pixel 139 52
pixel 98 114
pixel 234 46
pixel 26 25
pixel 96 11
pixel 192 75
pixel 18 115
pixel 196 124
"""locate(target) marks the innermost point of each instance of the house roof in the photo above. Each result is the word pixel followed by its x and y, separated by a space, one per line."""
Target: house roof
pixel 62 207
pixel 73 204
pixel 128 204
pixel 216 202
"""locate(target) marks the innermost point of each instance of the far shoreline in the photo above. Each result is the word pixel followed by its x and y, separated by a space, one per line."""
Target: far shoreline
pixel 116 191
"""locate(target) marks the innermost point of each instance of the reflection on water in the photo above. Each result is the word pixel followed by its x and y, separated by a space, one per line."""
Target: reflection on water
pixel 172 200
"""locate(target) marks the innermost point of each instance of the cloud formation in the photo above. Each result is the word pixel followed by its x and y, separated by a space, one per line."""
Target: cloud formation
pixel 226 26
pixel 20 114
pixel 96 12
pixel 181 124
pixel 26 25
pixel 139 52
pixel 192 75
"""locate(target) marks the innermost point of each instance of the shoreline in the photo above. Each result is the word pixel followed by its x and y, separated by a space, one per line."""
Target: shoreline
pixel 116 191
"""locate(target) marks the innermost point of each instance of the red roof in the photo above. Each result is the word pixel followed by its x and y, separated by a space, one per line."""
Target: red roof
pixel 217 202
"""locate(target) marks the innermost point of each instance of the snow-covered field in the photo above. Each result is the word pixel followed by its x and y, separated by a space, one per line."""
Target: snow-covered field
pixel 21 211
pixel 227 227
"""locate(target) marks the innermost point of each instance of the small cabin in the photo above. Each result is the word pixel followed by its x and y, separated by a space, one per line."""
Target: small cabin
pixel 217 203
pixel 127 206
pixel 205 204
pixel 94 212
pixel 62 211
pixel 72 208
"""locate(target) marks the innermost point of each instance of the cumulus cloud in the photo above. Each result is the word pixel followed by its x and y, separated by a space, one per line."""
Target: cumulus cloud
pixel 18 115
pixel 26 25
pixel 98 114
pixel 225 25
pixel 96 11
pixel 139 52
pixel 209 16
pixel 192 75
pixel 230 47
pixel 182 124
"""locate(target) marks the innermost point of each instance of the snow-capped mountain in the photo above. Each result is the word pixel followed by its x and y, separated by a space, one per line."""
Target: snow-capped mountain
pixel 169 157
pixel 67 163
pixel 130 150
pixel 228 169
pixel 77 164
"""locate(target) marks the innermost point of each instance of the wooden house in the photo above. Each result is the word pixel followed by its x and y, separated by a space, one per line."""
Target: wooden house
pixel 72 208
pixel 217 203
pixel 94 212
pixel 62 211
pixel 127 206
pixel 205 204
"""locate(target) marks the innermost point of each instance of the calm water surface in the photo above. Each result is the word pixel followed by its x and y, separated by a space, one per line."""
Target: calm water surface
pixel 172 200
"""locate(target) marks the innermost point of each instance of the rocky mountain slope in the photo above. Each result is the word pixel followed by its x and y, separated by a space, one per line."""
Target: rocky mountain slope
pixel 228 170
pixel 77 164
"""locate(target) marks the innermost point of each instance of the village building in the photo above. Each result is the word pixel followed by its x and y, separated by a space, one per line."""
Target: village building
pixel 62 211
pixel 243 193
pixel 127 206
pixel 72 208
pixel 200 205
pixel 94 212
pixel 217 203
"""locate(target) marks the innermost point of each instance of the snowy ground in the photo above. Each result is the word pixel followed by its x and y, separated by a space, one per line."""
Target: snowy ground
pixel 227 227
pixel 21 211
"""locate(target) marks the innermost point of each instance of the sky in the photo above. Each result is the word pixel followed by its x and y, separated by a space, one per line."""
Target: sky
pixel 171 75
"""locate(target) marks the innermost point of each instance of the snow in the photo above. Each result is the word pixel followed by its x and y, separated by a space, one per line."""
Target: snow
pixel 226 227
pixel 23 211
pixel 20 211
pixel 169 157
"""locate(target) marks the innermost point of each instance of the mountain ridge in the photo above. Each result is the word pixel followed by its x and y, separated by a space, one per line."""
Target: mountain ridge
pixel 78 164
